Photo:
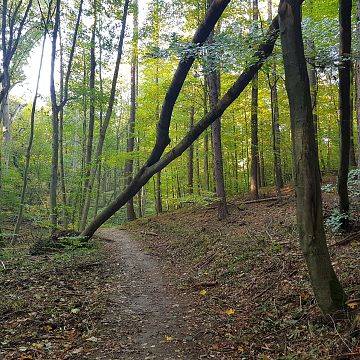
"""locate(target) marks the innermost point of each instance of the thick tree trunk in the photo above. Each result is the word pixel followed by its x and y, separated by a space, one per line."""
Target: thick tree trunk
pixel 327 289
pixel 146 172
pixel 345 7
pixel 130 211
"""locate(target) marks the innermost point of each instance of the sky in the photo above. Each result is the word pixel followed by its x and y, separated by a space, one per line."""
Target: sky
pixel 26 89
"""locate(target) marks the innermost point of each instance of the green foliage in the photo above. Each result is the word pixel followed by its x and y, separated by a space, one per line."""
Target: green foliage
pixel 335 220
pixel 61 244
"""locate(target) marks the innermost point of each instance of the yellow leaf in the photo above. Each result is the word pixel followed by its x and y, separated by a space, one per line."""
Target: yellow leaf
pixel 168 338
pixel 203 292
pixel 230 312
pixel 353 304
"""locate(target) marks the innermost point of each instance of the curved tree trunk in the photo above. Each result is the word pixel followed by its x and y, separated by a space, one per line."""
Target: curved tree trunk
pixel 146 172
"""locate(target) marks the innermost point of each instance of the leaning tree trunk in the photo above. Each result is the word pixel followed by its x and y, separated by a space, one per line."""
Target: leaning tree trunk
pixel 153 166
pixel 345 7
pixel 328 291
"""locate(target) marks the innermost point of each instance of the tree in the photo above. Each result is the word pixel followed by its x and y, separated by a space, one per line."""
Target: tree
pixel 254 175
pixel 55 123
pixel 328 291
pixel 345 7
pixel 357 74
pixel 273 79
pixel 32 128
pixel 133 94
pixel 153 166
pixel 213 85
pixel 105 125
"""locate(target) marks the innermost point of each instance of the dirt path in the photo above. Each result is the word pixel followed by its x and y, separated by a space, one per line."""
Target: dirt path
pixel 144 320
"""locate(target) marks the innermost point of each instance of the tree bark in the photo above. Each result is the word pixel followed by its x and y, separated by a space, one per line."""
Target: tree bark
pixel 357 78
pixel 213 82
pixel 328 291
pixel 345 7
pixel 55 125
pixel 130 211
pixel 203 31
pixel 191 155
pixel 254 173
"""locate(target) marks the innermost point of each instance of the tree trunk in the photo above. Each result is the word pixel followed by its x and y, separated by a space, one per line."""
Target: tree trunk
pixel 191 156
pixel 213 82
pixel 254 174
pixel 55 125
pixel 352 156
pixel 357 79
pixel 31 138
pixel 345 7
pixel 130 211
pixel 91 123
pixel 327 289
pixel 206 143
pixel 61 139
pixel 147 171
pixel 103 130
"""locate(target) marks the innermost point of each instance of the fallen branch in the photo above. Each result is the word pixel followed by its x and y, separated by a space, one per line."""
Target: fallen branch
pixel 276 198
pixel 347 240
pixel 206 285
pixel 149 233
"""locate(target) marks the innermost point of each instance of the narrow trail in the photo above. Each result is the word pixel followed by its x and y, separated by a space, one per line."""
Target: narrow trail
pixel 144 320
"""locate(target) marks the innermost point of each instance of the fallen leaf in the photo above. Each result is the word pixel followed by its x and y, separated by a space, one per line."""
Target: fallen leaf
pixel 229 312
pixel 92 338
pixel 203 292
pixel 353 304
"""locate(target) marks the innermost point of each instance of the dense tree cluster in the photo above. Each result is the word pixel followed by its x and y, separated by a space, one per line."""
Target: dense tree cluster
pixel 131 89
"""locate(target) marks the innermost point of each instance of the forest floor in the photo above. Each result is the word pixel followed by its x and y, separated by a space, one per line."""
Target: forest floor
pixel 182 285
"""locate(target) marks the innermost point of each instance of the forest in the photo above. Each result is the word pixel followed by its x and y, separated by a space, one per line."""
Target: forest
pixel 180 179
